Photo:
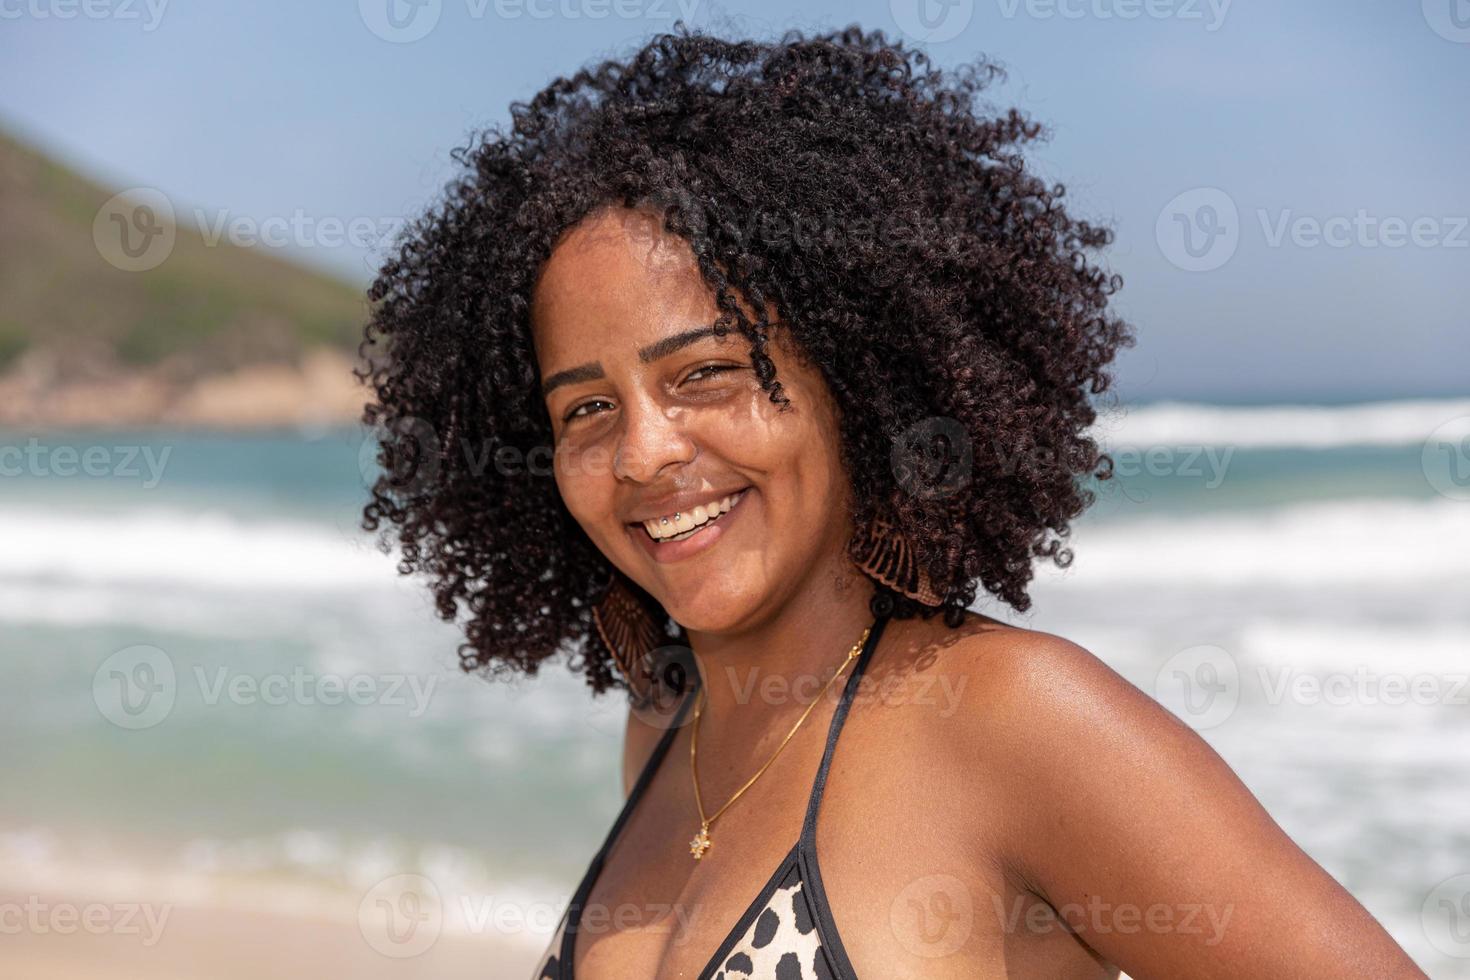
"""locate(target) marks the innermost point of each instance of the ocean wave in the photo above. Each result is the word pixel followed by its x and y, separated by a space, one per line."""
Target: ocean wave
pixel 202 550
pixel 1382 542
pixel 1320 644
pixel 1174 423
pixel 67 568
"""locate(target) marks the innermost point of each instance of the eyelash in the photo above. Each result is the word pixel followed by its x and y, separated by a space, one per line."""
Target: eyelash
pixel 713 369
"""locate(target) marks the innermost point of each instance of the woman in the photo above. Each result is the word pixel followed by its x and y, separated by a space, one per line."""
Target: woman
pixel 733 370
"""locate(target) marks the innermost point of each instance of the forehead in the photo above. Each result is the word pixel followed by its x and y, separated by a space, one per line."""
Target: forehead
pixel 616 281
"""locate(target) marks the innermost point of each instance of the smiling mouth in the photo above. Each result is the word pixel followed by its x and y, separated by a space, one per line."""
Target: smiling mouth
pixel 682 525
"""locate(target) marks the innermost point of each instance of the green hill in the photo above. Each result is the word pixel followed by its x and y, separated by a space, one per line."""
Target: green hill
pixel 204 309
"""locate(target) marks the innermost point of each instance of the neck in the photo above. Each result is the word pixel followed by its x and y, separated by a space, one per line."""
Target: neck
pixel 773 666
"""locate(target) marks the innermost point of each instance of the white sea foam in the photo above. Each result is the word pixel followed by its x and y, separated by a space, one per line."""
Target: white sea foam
pixel 1174 423
pixel 1390 542
pixel 65 569
pixel 1325 645
pixel 187 549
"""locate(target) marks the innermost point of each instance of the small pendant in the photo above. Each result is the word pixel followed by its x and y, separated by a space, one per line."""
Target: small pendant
pixel 700 843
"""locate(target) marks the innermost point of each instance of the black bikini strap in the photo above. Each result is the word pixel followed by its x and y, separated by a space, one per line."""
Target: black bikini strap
pixel 650 767
pixel 809 825
pixel 594 868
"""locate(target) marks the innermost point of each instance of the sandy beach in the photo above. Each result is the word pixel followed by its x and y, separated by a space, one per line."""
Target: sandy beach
pixel 45 938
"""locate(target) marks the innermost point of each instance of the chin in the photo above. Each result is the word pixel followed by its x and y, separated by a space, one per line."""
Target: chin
pixel 713 606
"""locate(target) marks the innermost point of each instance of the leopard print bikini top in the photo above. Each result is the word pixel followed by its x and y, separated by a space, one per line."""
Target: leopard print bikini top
pixel 787 933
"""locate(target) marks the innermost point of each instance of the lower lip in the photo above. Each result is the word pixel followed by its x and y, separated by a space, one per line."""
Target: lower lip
pixel 672 551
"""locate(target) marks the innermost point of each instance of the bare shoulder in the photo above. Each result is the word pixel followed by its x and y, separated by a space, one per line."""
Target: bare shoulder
pixel 1093 795
pixel 1042 731
pixel 1060 708
pixel 1019 679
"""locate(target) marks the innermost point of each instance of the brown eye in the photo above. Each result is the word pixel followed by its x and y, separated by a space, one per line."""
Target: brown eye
pixel 709 371
pixel 577 412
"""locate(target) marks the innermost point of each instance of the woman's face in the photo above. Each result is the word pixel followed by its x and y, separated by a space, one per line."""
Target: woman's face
pixel 652 417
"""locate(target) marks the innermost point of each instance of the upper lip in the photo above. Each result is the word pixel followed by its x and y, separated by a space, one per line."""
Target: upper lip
pixel 677 503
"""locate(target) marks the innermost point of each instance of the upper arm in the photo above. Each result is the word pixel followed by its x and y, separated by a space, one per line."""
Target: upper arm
pixel 1151 848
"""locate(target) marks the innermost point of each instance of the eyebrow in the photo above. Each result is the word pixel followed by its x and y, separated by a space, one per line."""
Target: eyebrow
pixel 592 370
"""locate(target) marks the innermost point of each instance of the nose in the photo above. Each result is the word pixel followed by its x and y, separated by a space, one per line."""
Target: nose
pixel 652 438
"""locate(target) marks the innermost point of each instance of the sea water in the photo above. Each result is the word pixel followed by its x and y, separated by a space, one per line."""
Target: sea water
pixel 218 689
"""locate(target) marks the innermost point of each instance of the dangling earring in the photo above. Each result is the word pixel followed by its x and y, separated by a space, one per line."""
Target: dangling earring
pixel 888 557
pixel 630 634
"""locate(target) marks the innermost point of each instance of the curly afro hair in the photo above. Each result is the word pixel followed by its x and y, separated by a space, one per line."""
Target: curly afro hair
pixel 838 178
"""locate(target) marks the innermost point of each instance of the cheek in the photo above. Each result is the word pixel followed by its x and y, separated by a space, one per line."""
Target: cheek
pixel 586 484
pixel 797 452
pixel 806 435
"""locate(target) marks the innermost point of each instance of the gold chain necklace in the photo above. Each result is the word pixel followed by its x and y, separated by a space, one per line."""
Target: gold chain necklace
pixel 701 841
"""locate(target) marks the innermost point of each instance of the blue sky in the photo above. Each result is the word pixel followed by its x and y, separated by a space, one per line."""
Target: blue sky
pixel 1287 181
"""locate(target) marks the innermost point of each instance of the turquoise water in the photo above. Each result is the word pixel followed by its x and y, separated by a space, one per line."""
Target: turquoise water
pixel 1314 542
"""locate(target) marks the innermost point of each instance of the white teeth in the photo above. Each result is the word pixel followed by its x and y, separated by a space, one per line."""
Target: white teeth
pixel 685 522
